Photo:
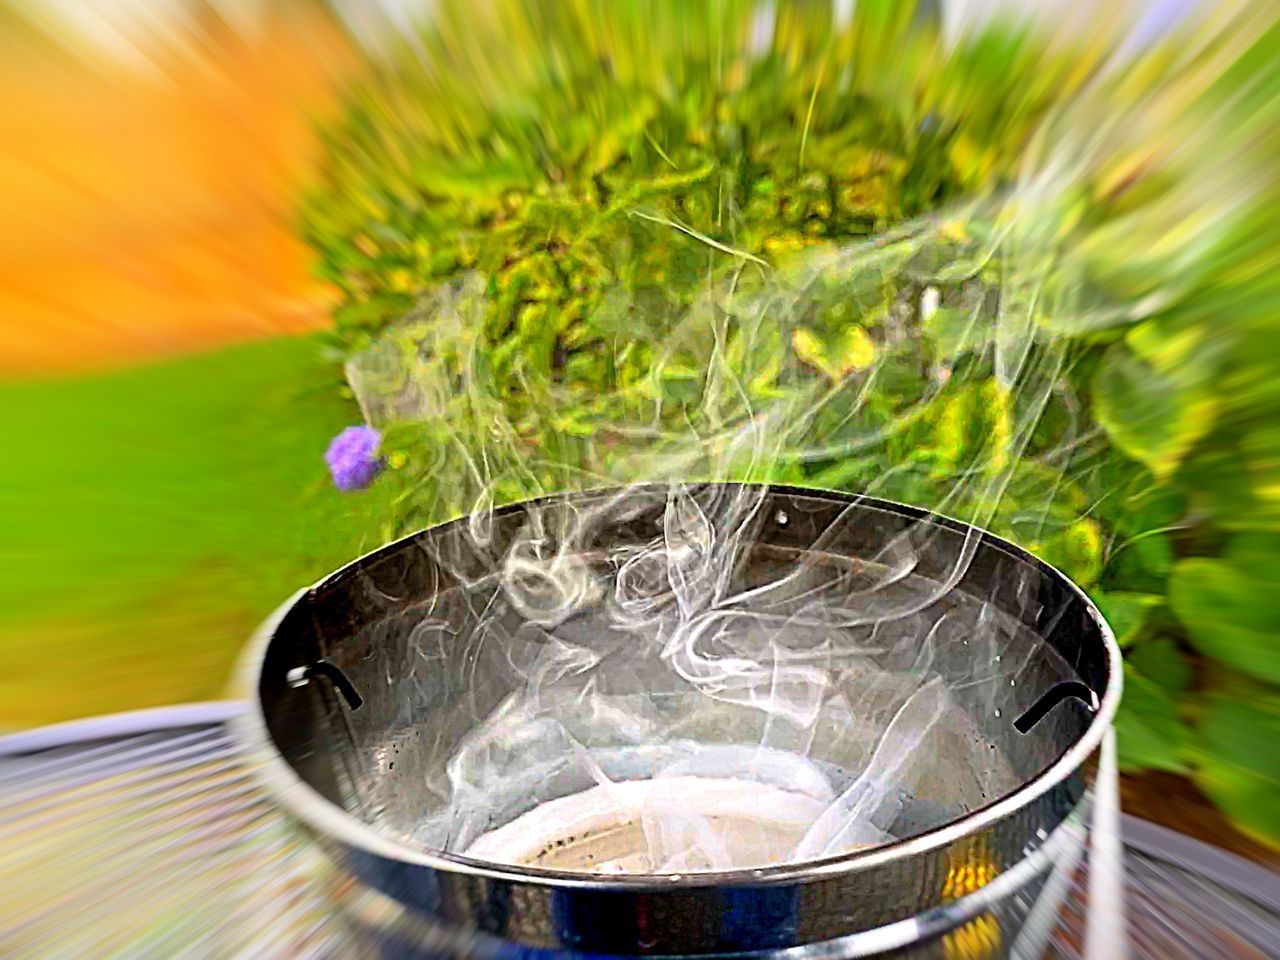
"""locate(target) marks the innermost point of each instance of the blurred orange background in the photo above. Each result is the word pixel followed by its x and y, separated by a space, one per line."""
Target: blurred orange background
pixel 148 201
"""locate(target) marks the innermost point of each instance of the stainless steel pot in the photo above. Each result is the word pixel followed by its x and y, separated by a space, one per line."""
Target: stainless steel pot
pixel 348 744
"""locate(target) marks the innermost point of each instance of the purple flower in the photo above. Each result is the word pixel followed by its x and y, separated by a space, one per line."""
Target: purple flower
pixel 353 458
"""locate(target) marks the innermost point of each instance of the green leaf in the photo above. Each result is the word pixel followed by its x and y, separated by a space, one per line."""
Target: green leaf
pixel 952 332
pixel 1127 496
pixel 1126 612
pixel 1162 662
pixel 1142 562
pixel 971 430
pixel 847 474
pixel 1237 479
pixel 1139 514
pixel 1079 551
pixel 954 427
pixel 1149 732
pixel 1239 761
pixel 1256 551
pixel 1231 607
pixel 1156 397
pixel 1261 449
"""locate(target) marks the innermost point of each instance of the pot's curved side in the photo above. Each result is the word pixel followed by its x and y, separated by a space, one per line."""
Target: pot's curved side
pixel 876 911
pixel 911 888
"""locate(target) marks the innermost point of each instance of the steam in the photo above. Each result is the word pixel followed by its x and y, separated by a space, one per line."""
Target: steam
pixel 678 701
pixel 846 823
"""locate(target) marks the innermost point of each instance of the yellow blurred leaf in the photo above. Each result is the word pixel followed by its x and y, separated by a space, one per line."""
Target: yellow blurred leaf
pixel 857 351
pixel 996 397
pixel 810 349
pixel 954 230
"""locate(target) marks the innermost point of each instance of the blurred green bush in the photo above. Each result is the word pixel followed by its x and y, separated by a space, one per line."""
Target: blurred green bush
pixel 1066 324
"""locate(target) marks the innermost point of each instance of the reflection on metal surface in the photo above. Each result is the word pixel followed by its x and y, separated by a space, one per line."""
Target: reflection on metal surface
pixel 1067 689
pixel 980 938
pixel 124 841
pixel 912 642
pixel 301 676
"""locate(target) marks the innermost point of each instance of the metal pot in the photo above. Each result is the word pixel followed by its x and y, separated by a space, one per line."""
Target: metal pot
pixel 349 728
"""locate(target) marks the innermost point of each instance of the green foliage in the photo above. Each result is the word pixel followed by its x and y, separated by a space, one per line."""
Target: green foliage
pixel 1126 613
pixel 1154 393
pixel 1229 605
pixel 571 237
pixel 1153 734
pixel 1238 754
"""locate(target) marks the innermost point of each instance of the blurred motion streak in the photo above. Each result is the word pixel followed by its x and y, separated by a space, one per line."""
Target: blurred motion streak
pixel 148 190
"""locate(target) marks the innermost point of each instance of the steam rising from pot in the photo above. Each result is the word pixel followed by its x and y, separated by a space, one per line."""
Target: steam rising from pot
pixel 693 701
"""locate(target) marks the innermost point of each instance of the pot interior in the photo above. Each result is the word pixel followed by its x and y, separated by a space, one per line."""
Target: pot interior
pixel 717 678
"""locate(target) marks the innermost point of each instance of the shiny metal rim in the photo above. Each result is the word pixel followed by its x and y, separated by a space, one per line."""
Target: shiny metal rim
pixel 300 800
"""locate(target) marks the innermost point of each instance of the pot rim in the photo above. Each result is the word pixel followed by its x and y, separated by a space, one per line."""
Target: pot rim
pixel 302 801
